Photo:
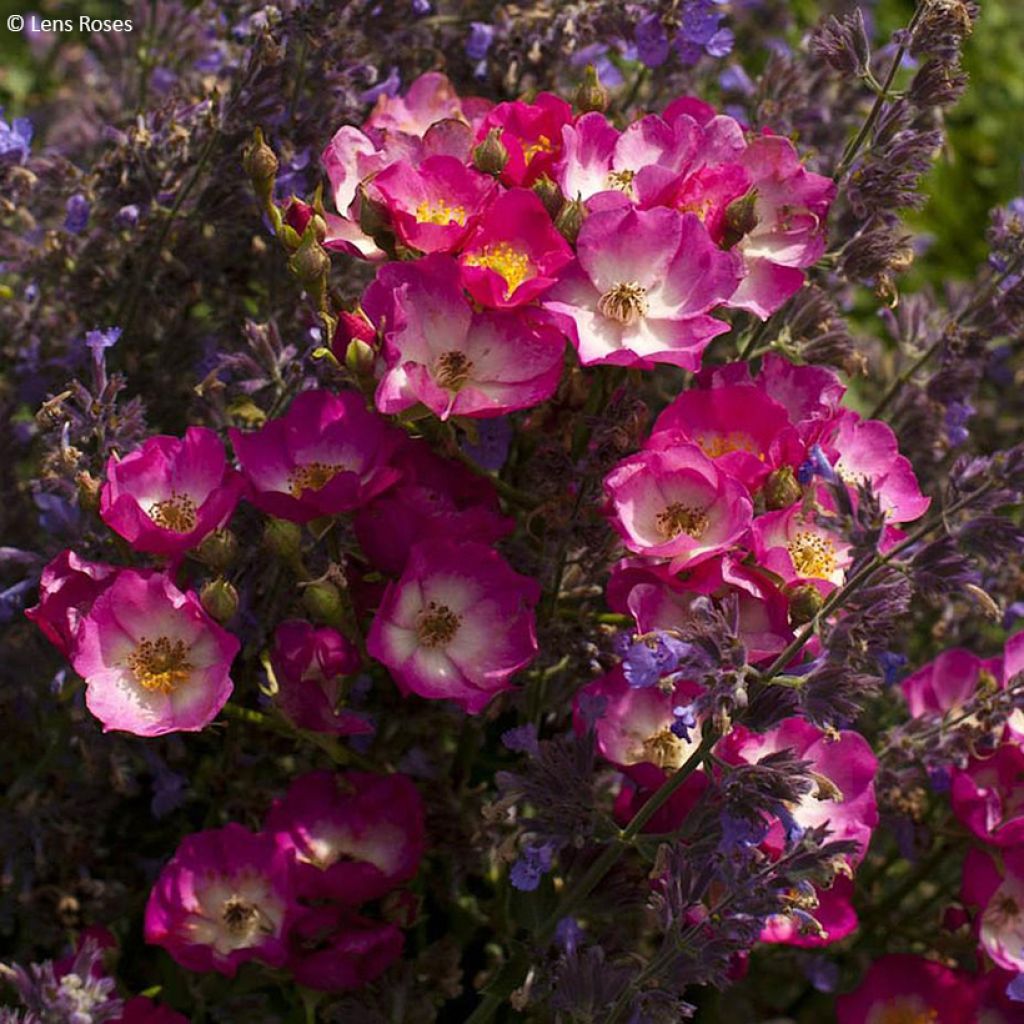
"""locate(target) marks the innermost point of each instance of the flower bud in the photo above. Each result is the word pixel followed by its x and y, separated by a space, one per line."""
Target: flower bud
pixel 548 192
pixel 310 263
pixel 218 550
pixel 805 602
pixel 740 219
pixel 282 538
pixel 781 489
pixel 322 600
pixel 570 219
pixel 220 600
pixel 373 216
pixel 350 327
pixel 359 358
pixel 261 165
pixel 591 95
pixel 490 156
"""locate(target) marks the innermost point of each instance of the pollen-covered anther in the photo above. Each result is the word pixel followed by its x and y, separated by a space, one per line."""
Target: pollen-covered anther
pixel 311 477
pixel 512 264
pixel 622 180
pixel 161 665
pixel 240 917
pixel 907 1011
pixel 437 625
pixel 626 303
pixel 437 211
pixel 812 554
pixel 665 749
pixel 177 513
pixel 680 518
pixel 452 370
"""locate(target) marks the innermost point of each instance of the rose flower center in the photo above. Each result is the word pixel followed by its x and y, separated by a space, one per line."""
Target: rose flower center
pixel 812 555
pixel 625 303
pixel 452 369
pixel 176 513
pixel 312 477
pixel 512 264
pixel 240 917
pixel 437 626
pixel 681 518
pixel 161 665
pixel 437 211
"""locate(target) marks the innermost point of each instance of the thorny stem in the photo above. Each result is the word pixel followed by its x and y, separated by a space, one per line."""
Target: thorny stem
pixel 880 99
pixel 513 973
pixel 859 578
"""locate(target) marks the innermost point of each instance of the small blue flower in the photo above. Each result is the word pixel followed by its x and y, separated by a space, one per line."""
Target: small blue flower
pixel 640 666
pixel 817 464
pixel 651 41
pixel 494 437
pixel 893 665
pixel 568 934
pixel 534 863
pixel 481 35
pixel 77 214
pixel 522 739
pixel 1015 990
pixel 15 139
pixel 685 719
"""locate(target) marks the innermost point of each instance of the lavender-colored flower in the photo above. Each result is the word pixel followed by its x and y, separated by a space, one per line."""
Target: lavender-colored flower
pixel 15 139
pixel 77 216
pixel 481 35
pixel 652 43
pixel 533 863
pixel 494 437
pixel 1015 989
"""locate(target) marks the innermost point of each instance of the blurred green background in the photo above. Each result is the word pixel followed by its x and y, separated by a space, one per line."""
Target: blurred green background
pixel 981 167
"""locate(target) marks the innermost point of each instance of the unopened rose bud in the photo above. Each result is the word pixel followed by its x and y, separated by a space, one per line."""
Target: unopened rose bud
pixel 570 219
pixel 740 219
pixel 548 192
pixel 218 550
pixel 220 600
pixel 781 489
pixel 323 602
pixel 591 95
pixel 310 263
pixel 352 326
pixel 491 155
pixel 261 165
pixel 373 215
pixel 804 603
pixel 359 358
pixel 282 538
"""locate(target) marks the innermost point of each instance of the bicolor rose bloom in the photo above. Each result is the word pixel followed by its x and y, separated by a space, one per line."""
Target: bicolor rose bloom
pixel 166 496
pixel 327 454
pixel 659 599
pixel 996 888
pixel 311 665
pixel 988 796
pixel 354 836
pixel 434 205
pixel 457 625
pixel 740 427
pixel 455 361
pixel 948 682
pixel 429 99
pixel 843 771
pixel 793 545
pixel 224 898
pixel 635 729
pixel 532 134
pixel 334 949
pixel 675 503
pixel 67 589
pixel 906 988
pixel 153 661
pixel 514 254
pixel 435 498
pixel 642 288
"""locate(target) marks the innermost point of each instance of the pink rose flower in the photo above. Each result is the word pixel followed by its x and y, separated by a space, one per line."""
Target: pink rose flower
pixel 793 545
pixel 642 289
pixel 946 683
pixel 310 665
pixel 987 796
pixel 996 888
pixel 455 361
pixel 327 454
pixel 457 625
pixel 153 661
pixel 908 987
pixel 166 496
pixel 514 254
pixel 224 898
pixel 429 99
pixel 675 503
pixel 532 134
pixel 354 836
pixel 67 588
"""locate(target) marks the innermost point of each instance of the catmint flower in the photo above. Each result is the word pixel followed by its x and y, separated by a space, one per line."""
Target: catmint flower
pixel 522 739
pixel 652 44
pixel 15 139
pixel 685 720
pixel 534 862
pixel 481 35
pixel 77 216
pixel 568 934
pixel 1015 989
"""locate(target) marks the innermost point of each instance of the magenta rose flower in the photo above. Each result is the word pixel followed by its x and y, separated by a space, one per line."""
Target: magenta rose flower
pixel 996 888
pixel 166 496
pixel 153 661
pixel 354 836
pixel 455 361
pixel 986 796
pixel 310 665
pixel 429 99
pixel 224 898
pixel 531 133
pixel 675 503
pixel 67 588
pixel 642 289
pixel 794 546
pixel 327 454
pixel 457 625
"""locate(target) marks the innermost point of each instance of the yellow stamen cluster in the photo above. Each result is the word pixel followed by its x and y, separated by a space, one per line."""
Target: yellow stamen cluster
pixel 311 477
pixel 715 444
pixel 452 370
pixel 542 145
pixel 160 665
pixel 437 625
pixel 622 180
pixel 511 263
pixel 626 302
pixel 679 518
pixel 437 211
pixel 813 556
pixel 665 749
pixel 177 513
pixel 905 1010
